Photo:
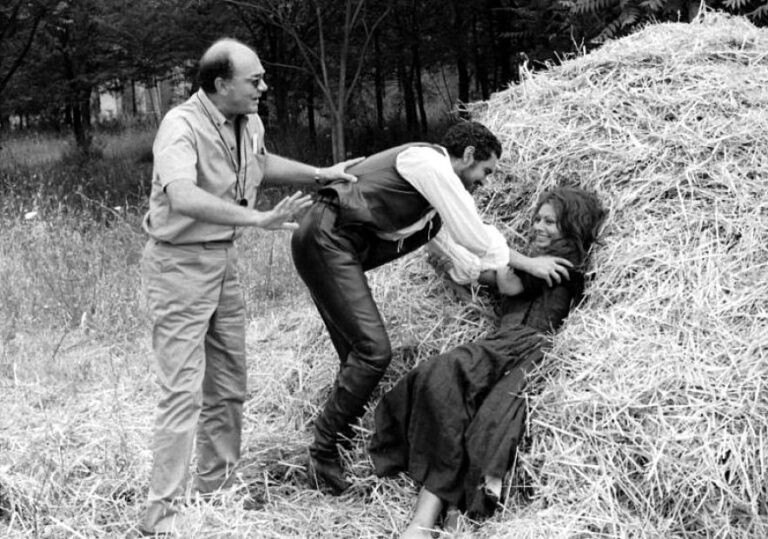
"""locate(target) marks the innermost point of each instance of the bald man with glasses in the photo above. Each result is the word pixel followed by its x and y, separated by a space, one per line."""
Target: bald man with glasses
pixel 209 162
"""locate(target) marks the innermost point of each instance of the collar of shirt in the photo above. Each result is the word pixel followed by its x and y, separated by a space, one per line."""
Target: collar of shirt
pixel 213 112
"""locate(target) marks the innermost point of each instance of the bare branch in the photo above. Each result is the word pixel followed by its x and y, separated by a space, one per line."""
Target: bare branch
pixel 368 37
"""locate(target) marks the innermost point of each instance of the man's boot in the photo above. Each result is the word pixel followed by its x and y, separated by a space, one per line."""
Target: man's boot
pixel 332 427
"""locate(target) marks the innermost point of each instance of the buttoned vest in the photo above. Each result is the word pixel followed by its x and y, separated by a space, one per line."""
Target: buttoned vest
pixel 381 199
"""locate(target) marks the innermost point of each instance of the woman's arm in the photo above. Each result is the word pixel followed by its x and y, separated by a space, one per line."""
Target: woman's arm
pixel 508 282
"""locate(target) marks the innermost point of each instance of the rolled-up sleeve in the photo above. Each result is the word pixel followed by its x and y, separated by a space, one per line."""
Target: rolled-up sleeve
pixel 174 151
pixel 431 174
pixel 465 265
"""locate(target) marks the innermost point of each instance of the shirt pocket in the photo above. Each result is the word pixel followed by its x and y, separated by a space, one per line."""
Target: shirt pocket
pixel 257 164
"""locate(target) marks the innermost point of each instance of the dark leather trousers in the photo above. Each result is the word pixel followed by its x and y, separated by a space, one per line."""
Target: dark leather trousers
pixel 332 258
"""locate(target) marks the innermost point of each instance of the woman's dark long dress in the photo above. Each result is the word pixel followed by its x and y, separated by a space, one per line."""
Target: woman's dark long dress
pixel 460 416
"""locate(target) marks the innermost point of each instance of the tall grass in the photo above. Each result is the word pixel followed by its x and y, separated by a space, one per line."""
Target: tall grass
pixel 76 370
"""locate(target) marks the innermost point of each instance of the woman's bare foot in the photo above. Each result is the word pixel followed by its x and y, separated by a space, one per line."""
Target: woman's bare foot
pixel 428 507
pixel 492 486
pixel 451 520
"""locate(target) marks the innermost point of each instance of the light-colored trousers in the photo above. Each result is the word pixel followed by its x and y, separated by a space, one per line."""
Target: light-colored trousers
pixel 198 336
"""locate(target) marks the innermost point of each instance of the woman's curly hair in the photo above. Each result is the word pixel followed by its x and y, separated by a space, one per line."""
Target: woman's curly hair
pixel 579 217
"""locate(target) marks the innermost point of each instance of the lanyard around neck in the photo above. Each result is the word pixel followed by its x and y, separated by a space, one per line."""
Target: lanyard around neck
pixel 236 159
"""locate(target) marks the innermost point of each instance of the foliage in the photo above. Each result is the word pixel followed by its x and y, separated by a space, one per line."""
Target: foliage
pixel 89 45
pixel 757 10
pixel 19 23
pixel 608 19
pixel 327 60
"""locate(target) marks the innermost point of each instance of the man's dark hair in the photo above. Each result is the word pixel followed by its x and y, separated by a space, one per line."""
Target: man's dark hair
pixel 475 134
pixel 213 64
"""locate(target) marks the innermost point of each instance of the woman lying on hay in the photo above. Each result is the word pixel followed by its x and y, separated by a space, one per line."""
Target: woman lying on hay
pixel 454 422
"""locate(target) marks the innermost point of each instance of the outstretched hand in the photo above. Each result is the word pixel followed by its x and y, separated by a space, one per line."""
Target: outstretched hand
pixel 339 171
pixel 550 268
pixel 280 216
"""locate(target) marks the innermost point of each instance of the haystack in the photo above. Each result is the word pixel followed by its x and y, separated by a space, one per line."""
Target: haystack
pixel 650 418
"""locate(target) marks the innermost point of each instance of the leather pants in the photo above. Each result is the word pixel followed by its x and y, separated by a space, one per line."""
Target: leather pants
pixel 332 257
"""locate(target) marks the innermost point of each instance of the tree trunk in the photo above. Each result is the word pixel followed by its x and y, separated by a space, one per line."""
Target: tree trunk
pixel 154 101
pixel 481 67
pixel 279 86
pixel 499 21
pixel 311 126
pixel 409 100
pixel 337 137
pixel 81 122
pixel 419 88
pixel 460 48
pixel 378 81
pixel 463 72
pixel 133 98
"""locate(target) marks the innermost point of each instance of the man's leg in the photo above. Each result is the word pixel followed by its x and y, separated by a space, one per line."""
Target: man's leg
pixel 181 301
pixel 328 264
pixel 224 385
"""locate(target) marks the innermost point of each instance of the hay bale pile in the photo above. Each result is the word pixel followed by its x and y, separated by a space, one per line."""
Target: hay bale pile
pixel 651 419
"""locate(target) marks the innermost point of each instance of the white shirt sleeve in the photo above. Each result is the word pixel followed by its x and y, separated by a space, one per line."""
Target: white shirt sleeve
pixel 175 150
pixel 465 265
pixel 431 174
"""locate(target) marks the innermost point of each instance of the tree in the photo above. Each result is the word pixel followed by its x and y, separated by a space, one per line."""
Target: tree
pixel 85 46
pixel 333 38
pixel 20 21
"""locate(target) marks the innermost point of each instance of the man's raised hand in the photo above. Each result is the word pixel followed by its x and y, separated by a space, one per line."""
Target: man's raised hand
pixel 550 268
pixel 280 217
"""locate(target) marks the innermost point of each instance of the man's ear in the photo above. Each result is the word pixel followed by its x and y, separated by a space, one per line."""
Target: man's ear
pixel 221 85
pixel 469 155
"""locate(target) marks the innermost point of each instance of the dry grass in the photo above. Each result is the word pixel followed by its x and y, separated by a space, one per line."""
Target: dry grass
pixel 650 419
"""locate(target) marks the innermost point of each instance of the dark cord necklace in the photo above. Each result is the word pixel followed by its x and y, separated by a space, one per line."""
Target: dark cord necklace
pixel 239 189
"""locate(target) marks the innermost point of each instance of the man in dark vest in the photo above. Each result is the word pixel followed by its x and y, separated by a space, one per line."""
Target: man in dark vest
pixel 401 199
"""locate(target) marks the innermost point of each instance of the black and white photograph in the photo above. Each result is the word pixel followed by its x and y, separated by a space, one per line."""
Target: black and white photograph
pixel 384 269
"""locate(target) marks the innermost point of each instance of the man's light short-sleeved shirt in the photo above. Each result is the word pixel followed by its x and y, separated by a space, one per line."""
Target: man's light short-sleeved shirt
pixel 195 142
